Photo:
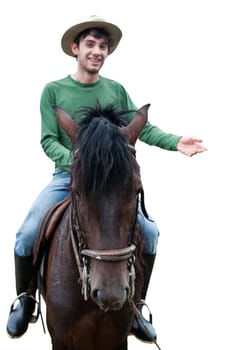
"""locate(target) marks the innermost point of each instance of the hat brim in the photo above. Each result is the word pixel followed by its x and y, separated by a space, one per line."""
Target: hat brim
pixel 71 34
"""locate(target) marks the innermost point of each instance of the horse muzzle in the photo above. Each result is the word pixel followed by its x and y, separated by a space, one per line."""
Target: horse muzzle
pixel 110 299
pixel 108 287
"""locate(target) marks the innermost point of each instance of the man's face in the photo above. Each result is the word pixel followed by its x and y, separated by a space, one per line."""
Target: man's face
pixel 92 53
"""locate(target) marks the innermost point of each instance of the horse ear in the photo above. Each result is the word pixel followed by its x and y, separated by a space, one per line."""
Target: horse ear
pixel 134 128
pixel 66 123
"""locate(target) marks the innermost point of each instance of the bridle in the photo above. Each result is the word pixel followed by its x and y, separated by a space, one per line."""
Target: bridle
pixel 83 254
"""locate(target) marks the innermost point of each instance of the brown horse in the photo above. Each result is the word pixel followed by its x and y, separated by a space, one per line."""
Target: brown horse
pixel 93 270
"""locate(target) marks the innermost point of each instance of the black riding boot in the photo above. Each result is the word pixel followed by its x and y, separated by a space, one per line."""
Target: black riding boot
pixel 142 328
pixel 21 312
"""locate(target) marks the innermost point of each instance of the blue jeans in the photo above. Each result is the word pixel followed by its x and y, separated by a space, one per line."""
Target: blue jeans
pixel 54 192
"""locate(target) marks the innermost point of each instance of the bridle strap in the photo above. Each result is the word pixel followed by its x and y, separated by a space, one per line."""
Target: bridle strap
pixel 75 250
pixel 142 202
pixel 110 255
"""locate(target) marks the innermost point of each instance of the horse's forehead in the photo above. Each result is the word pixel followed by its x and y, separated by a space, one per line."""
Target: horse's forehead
pixel 107 207
pixel 107 201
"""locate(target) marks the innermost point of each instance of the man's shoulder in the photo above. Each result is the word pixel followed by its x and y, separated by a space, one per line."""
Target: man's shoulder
pixel 58 82
pixel 111 82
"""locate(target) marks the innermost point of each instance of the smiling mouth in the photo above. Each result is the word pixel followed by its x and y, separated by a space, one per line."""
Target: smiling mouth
pixel 93 61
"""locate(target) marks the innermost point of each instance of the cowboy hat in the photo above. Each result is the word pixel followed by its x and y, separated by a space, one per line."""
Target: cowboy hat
pixel 92 22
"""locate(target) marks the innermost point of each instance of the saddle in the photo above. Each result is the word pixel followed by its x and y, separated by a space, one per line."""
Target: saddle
pixel 47 227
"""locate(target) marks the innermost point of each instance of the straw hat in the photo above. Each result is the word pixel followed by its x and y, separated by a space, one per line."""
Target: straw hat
pixel 91 22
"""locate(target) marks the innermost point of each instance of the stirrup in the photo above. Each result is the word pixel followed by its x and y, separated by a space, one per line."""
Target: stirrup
pixel 142 328
pixel 34 316
pixel 142 303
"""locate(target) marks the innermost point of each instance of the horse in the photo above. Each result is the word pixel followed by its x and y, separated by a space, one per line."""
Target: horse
pixel 93 271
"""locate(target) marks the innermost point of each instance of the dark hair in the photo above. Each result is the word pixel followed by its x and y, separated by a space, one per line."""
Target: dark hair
pixel 97 33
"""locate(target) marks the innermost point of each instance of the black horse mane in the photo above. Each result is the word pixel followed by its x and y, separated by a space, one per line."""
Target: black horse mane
pixel 102 160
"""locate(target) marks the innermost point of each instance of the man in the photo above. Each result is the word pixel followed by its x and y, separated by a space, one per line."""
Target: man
pixel 90 41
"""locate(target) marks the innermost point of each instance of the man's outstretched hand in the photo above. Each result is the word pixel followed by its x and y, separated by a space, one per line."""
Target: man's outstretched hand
pixel 190 146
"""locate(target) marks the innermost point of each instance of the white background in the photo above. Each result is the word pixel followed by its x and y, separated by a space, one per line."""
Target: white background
pixel 177 56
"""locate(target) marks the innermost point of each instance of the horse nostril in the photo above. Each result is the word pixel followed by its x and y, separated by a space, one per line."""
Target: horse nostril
pixel 98 296
pixel 94 293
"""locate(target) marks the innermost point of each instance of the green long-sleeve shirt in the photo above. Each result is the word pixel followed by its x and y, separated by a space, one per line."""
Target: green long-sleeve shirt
pixel 71 95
